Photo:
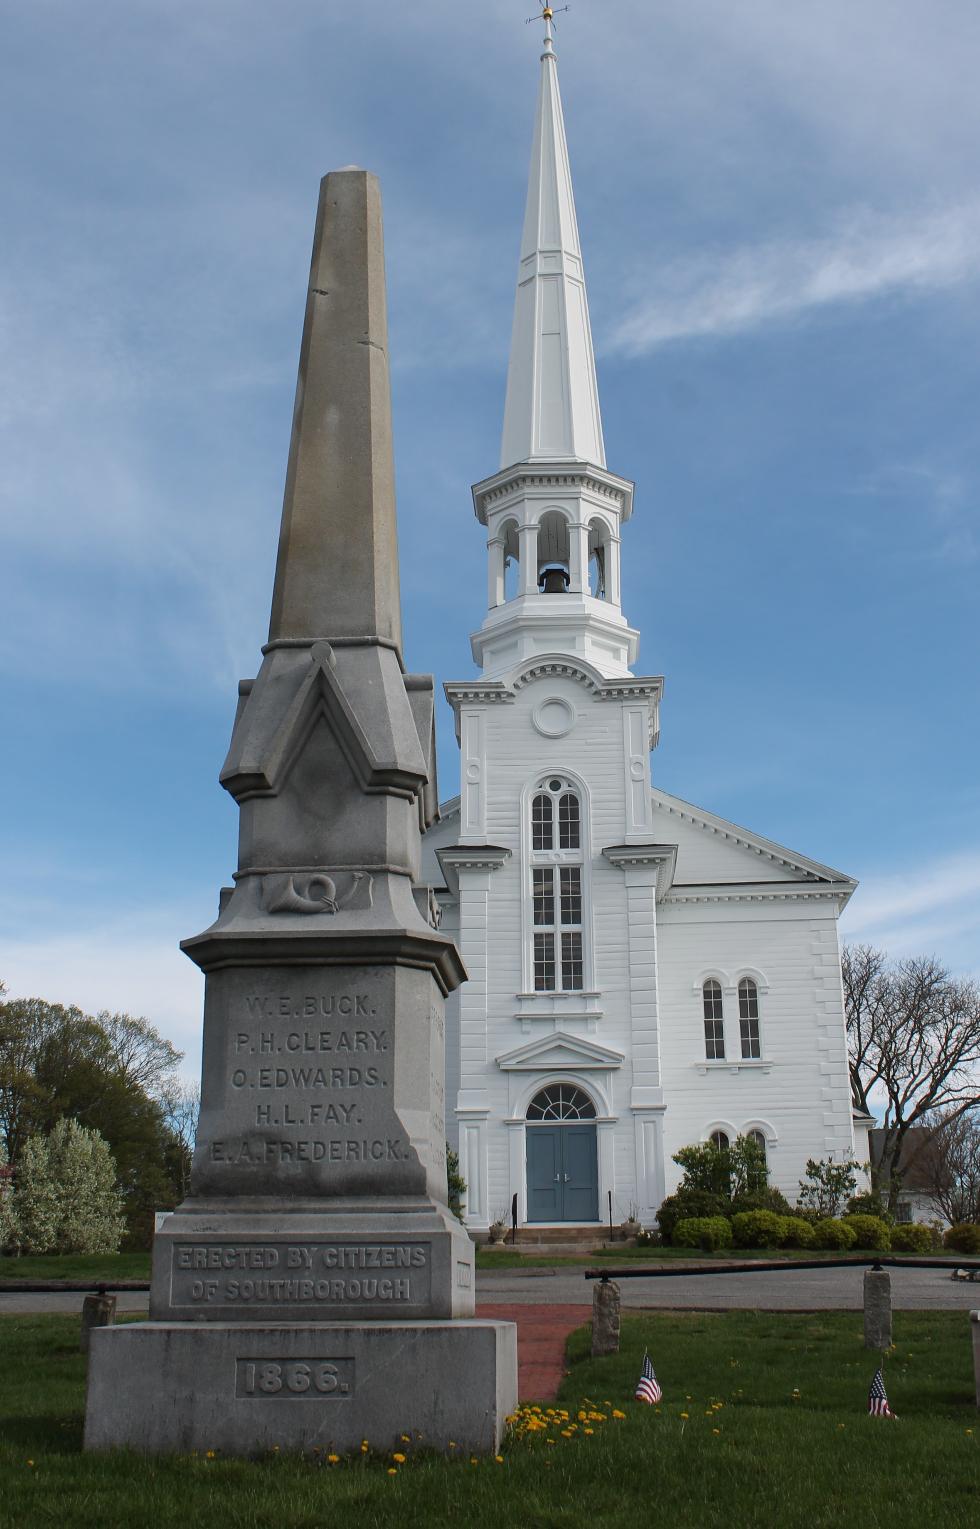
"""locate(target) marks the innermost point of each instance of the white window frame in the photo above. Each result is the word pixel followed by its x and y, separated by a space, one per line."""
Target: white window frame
pixel 555 859
pixel 750 1020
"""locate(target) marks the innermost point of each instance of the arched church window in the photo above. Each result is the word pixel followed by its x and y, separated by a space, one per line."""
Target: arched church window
pixel 569 821
pixel 542 822
pixel 759 1137
pixel 714 1021
pixel 557 954
pixel 561 1101
pixel 748 1018
pixel 720 1139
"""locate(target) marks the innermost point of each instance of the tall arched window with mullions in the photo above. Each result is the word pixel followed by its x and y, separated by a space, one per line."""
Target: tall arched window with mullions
pixel 557 953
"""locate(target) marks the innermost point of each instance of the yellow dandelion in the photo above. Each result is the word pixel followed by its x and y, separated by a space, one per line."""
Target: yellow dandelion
pixel 716 1430
pixel 474 1460
pixel 392 1471
pixel 589 1431
pixel 399 1459
pixel 684 1415
pixel 406 1438
pixel 499 1459
pixel 209 1455
pixel 617 1413
pixel 554 1441
pixel 30 1462
pixel 333 1459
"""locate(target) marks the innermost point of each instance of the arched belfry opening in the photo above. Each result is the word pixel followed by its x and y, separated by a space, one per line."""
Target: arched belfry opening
pixel 554 553
pixel 600 564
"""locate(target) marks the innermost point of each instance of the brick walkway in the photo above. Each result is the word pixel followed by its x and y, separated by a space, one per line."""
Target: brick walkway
pixel 541 1335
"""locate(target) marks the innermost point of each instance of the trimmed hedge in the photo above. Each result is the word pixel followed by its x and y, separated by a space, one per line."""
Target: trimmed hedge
pixel 797 1232
pixel 708 1232
pixel 913 1237
pixel 870 1232
pixel 964 1238
pixel 686 1204
pixel 834 1234
pixel 758 1229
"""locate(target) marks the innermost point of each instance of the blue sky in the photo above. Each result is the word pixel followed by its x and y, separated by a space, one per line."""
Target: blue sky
pixel 780 214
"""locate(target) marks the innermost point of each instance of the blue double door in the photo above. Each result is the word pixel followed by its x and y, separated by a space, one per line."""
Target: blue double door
pixel 562 1173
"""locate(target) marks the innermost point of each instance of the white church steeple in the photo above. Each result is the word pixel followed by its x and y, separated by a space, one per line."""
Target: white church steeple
pixel 553 511
pixel 552 409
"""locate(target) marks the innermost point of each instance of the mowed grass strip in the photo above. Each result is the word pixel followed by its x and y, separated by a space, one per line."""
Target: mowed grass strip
pixel 76 1266
pixel 763 1423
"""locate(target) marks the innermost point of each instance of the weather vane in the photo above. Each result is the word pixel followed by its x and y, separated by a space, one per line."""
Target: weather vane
pixel 547 13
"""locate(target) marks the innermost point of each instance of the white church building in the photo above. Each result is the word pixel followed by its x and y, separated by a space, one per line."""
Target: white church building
pixel 642 973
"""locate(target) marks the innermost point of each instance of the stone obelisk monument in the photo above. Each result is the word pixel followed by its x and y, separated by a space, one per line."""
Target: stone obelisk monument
pixel 314 1289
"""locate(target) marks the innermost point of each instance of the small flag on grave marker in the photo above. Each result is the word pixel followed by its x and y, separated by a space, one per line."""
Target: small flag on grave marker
pixel 648 1387
pixel 877 1400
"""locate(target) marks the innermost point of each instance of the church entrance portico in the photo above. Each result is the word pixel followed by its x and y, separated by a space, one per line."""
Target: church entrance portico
pixel 562 1156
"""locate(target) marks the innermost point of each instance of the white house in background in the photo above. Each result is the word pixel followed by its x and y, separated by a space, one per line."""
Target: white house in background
pixel 642 973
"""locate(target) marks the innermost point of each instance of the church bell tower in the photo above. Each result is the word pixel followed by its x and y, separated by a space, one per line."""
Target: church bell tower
pixel 553 511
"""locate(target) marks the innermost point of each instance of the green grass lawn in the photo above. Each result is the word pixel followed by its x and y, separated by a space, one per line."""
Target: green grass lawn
pixel 763 1426
pixel 76 1266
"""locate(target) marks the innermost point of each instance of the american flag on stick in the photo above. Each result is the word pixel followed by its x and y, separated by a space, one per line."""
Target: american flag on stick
pixel 648 1386
pixel 877 1400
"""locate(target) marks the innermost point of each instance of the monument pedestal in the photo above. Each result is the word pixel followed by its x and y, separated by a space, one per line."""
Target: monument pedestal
pixel 246 1388
pixel 314 1289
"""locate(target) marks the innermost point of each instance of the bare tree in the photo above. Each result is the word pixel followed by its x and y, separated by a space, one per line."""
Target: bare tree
pixel 914 1039
pixel 181 1104
pixel 953 1161
pixel 143 1056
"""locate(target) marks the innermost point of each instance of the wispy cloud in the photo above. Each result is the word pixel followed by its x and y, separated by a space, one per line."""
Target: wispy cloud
pixel 867 257
pixel 129 962
pixel 926 908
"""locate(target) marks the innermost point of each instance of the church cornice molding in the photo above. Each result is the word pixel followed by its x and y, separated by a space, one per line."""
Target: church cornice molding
pixel 465 693
pixel 774 893
pixel 469 857
pixel 530 477
pixel 662 857
pixel 558 666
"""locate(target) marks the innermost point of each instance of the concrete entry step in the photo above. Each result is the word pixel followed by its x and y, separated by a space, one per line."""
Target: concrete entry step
pixel 537 1240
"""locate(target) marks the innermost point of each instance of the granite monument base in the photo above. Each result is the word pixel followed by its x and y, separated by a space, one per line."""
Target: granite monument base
pixel 351 1260
pixel 174 1387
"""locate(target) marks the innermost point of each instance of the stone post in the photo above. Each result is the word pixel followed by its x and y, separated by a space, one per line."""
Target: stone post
pixel 310 1288
pixel 97 1311
pixel 877 1309
pixel 605 1318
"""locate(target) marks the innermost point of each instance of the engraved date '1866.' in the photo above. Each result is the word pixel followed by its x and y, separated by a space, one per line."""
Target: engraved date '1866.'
pixel 294 1379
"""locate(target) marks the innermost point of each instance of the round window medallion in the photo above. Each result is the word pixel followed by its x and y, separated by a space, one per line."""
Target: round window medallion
pixel 554 718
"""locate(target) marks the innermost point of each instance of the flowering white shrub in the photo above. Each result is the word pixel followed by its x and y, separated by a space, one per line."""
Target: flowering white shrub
pixel 6 1203
pixel 35 1207
pixel 66 1199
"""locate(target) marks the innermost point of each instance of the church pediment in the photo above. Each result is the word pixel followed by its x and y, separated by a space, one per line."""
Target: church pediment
pixel 559 1052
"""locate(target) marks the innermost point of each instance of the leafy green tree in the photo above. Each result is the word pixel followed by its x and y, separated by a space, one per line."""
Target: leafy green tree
pixel 827 1186
pixel 733 1172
